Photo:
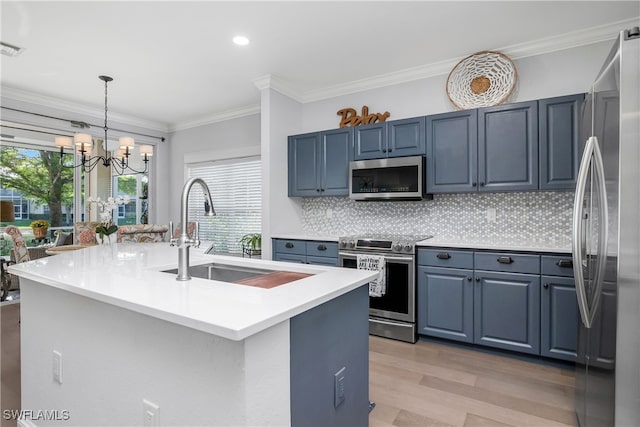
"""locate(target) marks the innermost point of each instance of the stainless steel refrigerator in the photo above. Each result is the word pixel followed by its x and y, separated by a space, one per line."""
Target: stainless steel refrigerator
pixel 606 241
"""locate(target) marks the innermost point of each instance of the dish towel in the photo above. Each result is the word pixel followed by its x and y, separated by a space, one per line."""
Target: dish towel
pixel 377 287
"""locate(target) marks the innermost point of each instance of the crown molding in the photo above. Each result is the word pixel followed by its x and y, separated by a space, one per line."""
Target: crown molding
pixel 215 118
pixel 271 81
pixel 77 108
pixel 569 40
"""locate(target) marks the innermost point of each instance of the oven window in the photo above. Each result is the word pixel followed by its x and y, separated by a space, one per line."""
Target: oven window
pixel 350 263
pixel 396 298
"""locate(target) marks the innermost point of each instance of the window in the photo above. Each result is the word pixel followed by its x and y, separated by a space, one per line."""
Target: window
pixel 236 189
pixel 32 178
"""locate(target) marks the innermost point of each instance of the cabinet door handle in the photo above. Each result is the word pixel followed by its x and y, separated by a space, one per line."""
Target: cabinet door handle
pixel 322 189
pixel 289 245
pixel 505 260
pixel 546 285
pixel 481 184
pixel 565 263
pixel 473 184
pixel 318 190
pixel 477 279
pixel 469 279
pixel 322 248
pixel 390 150
pixel 384 150
pixel 443 255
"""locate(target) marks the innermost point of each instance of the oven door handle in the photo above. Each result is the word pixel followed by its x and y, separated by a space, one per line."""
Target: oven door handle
pixel 386 257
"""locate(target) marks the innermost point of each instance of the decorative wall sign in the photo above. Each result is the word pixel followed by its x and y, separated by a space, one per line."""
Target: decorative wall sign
pixel 351 118
pixel 481 80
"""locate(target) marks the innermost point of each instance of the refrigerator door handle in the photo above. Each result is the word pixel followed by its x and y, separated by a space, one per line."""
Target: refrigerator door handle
pixel 603 232
pixel 577 232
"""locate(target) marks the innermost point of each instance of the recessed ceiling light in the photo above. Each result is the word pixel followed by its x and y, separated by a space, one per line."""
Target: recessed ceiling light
pixel 10 50
pixel 241 40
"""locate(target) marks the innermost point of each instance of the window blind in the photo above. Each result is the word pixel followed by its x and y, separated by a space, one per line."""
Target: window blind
pixel 236 190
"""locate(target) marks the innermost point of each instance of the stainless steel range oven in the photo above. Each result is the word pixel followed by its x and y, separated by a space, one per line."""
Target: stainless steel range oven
pixel 393 315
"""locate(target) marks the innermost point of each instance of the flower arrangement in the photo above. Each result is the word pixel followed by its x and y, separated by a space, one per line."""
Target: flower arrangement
pixel 39 223
pixel 105 210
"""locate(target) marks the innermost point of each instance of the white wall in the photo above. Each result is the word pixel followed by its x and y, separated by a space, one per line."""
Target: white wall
pixel 280 118
pixel 206 143
pixel 542 76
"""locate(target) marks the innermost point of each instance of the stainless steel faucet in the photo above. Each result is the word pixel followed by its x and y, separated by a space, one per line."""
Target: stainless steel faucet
pixel 184 242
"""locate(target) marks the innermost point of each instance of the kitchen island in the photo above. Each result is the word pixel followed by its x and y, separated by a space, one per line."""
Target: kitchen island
pixel 128 341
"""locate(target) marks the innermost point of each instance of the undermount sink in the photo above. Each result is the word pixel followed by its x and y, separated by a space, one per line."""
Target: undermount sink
pixel 242 275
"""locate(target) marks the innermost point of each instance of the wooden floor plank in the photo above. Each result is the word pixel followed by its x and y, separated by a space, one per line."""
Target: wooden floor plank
pixel 459 386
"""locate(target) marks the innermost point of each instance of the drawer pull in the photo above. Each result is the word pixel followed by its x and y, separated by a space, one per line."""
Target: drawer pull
pixel 505 260
pixel 322 248
pixel 443 255
pixel 546 285
pixel 289 245
pixel 565 263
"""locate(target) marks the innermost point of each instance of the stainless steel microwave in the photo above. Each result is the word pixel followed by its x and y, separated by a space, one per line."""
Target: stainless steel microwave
pixel 399 178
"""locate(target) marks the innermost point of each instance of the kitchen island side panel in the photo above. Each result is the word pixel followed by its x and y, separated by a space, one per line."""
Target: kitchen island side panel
pixel 113 358
pixel 335 335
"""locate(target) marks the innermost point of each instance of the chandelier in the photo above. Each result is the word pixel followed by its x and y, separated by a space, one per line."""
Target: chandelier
pixel 84 145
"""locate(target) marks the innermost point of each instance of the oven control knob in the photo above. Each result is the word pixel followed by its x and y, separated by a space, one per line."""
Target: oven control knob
pixel 351 244
pixel 397 247
pixel 407 248
pixel 343 244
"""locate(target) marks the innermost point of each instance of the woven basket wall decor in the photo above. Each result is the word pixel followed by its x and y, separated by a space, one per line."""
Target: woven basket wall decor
pixel 480 80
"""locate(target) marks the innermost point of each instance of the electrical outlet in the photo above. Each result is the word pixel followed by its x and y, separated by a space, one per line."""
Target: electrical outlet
pixel 150 414
pixel 491 215
pixel 338 386
pixel 57 366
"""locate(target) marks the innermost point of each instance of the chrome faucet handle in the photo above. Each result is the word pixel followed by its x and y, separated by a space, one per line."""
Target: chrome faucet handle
pixel 172 240
pixel 196 235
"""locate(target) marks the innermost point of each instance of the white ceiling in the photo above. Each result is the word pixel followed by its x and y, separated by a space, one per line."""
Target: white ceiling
pixel 174 64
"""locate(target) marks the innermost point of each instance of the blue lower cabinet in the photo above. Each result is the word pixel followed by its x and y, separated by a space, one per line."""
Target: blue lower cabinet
pixel 559 318
pixel 306 251
pixel 321 260
pixel 445 303
pixel 507 311
pixel 290 258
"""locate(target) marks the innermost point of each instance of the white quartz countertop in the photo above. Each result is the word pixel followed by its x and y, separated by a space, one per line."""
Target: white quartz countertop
pixel 129 275
pixel 504 244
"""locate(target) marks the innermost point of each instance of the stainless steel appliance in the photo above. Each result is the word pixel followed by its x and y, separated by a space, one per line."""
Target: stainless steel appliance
pixel 606 243
pixel 392 315
pixel 401 178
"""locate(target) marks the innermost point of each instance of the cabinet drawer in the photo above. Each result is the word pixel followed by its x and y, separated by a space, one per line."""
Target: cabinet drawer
pixel 500 261
pixel 445 258
pixel 324 249
pixel 322 260
pixel 290 247
pixel 290 258
pixel 557 265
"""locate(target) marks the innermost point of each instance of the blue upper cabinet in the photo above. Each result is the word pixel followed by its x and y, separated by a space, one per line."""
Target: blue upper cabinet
pixel 397 138
pixel 452 152
pixel 335 155
pixel 319 163
pixel 559 141
pixel 304 164
pixel 406 137
pixel 508 147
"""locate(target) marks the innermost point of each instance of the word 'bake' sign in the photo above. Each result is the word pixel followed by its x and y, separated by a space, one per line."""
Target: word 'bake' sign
pixel 351 118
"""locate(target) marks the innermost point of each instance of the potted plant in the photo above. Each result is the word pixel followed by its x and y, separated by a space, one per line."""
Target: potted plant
pixel 251 241
pixel 39 227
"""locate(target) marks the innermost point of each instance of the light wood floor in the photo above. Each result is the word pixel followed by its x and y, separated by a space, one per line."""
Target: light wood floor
pixel 434 384
pixel 422 384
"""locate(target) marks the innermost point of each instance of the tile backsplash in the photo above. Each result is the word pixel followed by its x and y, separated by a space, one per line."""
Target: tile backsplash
pixel 534 216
